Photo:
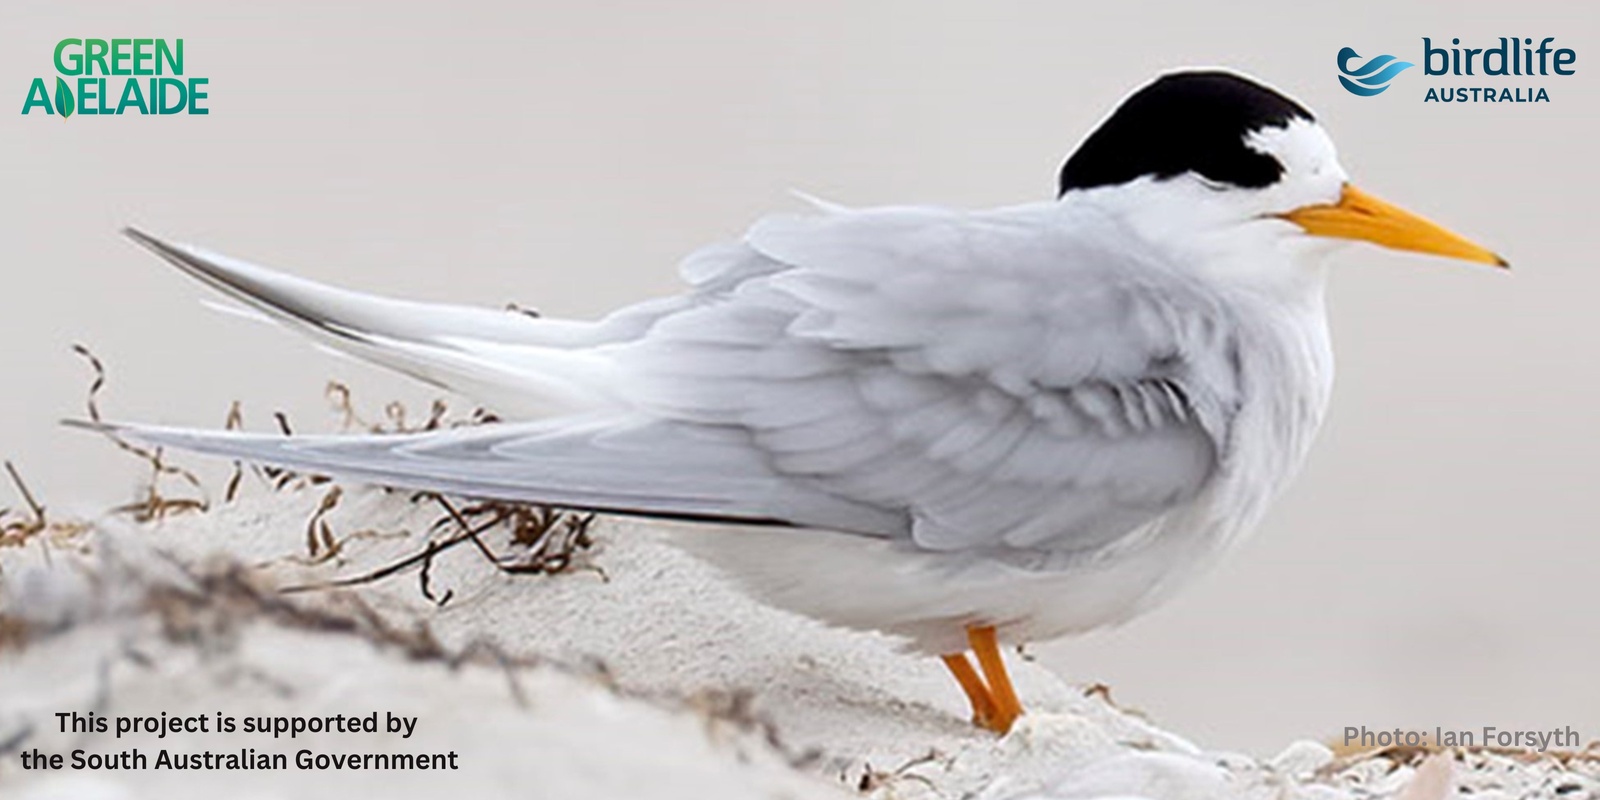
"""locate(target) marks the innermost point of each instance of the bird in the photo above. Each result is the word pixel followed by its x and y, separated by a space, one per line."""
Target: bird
pixel 967 429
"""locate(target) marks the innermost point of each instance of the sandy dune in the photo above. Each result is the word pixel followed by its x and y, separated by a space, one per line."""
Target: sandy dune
pixel 636 672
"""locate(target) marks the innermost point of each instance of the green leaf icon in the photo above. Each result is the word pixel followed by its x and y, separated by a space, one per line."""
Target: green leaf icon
pixel 64 104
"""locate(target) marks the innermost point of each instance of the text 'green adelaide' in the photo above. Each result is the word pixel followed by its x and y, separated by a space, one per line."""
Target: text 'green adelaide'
pixel 152 80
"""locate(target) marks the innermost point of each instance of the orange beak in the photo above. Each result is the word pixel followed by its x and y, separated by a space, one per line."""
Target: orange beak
pixel 1359 215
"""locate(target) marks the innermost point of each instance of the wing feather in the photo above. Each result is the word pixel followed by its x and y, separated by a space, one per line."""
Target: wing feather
pixel 1006 380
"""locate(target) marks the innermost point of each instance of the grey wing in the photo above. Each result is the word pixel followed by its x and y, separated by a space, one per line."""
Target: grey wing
pixel 1005 381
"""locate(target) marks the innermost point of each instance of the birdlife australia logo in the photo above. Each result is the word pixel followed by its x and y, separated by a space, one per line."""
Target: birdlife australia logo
pixel 1372 77
pixel 118 76
pixel 1508 69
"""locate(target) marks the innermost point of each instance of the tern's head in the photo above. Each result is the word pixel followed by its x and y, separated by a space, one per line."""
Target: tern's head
pixel 1215 162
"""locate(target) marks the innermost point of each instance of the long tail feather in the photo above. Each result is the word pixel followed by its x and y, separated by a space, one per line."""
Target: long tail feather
pixel 615 464
pixel 517 363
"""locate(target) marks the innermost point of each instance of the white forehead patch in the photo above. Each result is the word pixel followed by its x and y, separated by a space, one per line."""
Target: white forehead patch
pixel 1302 146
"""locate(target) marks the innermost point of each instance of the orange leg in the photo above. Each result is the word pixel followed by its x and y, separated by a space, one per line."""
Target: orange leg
pixel 983 710
pixel 1006 705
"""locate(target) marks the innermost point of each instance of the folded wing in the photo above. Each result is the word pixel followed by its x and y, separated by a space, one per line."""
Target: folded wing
pixel 1018 379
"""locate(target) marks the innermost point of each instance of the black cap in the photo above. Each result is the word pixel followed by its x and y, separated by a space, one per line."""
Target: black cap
pixel 1184 122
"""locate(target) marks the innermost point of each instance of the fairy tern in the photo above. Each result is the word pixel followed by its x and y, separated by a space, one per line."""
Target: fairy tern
pixel 963 428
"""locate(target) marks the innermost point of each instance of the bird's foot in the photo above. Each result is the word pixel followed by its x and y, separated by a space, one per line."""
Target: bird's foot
pixel 995 706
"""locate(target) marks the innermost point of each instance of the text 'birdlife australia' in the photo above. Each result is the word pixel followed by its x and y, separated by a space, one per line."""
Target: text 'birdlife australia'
pixel 110 77
pixel 1504 69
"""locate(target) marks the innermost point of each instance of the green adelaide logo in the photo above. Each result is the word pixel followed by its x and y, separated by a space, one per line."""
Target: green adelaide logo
pixel 151 72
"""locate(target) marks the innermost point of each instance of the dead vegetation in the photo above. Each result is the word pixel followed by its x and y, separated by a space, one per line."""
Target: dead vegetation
pixel 874 780
pixel 17 527
pixel 152 504
pixel 538 539
pixel 542 539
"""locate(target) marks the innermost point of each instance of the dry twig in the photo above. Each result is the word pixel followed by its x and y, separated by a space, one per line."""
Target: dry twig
pixel 16 529
pixel 153 505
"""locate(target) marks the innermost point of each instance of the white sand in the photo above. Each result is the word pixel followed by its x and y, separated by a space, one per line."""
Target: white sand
pixel 658 680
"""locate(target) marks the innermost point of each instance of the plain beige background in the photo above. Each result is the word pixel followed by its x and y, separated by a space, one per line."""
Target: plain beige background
pixel 1435 563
